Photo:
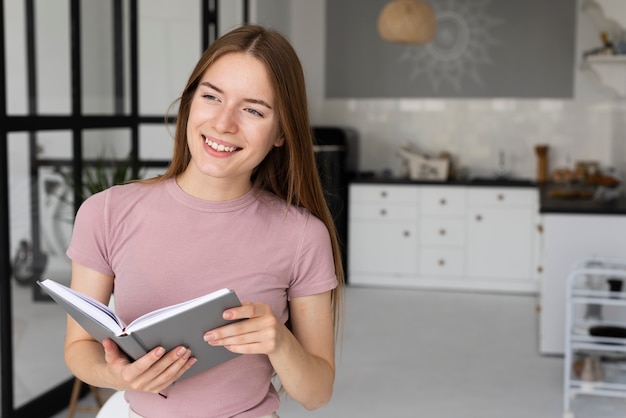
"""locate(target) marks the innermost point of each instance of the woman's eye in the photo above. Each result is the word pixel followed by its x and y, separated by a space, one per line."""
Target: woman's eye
pixel 209 97
pixel 254 112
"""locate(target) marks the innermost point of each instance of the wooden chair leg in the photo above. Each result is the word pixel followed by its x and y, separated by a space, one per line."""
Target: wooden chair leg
pixel 97 396
pixel 73 405
pixel 71 408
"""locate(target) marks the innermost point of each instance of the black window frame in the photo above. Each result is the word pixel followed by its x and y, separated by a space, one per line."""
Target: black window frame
pixel 56 399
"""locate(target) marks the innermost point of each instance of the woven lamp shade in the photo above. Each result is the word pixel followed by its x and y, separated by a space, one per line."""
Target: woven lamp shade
pixel 407 22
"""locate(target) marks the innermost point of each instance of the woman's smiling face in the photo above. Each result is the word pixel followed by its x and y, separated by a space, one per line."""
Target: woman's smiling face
pixel 233 121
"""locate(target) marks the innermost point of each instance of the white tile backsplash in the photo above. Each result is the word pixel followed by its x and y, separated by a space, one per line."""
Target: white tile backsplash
pixel 590 126
pixel 475 131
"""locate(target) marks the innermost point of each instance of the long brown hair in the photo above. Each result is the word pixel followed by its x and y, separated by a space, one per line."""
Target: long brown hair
pixel 288 171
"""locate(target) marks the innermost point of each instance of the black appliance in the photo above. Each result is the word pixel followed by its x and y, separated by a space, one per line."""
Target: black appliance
pixel 336 153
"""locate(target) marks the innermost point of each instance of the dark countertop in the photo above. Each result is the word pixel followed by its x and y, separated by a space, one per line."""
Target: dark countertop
pixel 492 182
pixel 548 204
pixel 572 206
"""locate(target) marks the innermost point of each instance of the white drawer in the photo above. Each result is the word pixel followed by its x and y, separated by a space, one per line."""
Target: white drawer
pixel 449 200
pixel 383 193
pixel 442 232
pixel 502 197
pixel 381 212
pixel 442 262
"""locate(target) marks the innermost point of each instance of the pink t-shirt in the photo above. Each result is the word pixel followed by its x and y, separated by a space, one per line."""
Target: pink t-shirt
pixel 164 246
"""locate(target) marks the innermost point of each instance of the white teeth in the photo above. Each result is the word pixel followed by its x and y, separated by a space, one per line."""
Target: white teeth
pixel 219 147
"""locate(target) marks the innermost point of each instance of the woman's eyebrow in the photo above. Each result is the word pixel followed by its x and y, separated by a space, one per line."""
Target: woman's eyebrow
pixel 249 100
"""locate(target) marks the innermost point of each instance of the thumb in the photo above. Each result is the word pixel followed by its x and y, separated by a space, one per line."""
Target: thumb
pixel 112 352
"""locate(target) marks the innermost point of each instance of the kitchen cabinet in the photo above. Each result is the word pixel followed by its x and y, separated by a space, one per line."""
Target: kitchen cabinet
pixel 595 347
pixel 501 228
pixel 464 237
pixel 382 231
pixel 442 231
pixel 569 238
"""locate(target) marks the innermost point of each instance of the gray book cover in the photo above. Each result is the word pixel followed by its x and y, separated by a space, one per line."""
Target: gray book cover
pixel 169 327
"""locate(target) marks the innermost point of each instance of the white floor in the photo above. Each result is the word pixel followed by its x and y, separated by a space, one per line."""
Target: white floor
pixel 38 336
pixel 412 353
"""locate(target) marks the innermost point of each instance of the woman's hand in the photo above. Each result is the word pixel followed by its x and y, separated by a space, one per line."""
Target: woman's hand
pixel 259 333
pixel 303 359
pixel 153 372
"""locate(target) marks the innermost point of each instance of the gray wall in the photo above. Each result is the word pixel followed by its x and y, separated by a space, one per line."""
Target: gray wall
pixel 503 48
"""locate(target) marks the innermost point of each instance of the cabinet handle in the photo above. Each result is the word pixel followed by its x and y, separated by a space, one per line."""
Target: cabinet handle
pixel 539 269
pixel 406 233
pixel 500 197
pixel 540 228
pixel 383 194
pixel 442 202
pixel 383 212
pixel 442 232
pixel 442 262
pixel 479 218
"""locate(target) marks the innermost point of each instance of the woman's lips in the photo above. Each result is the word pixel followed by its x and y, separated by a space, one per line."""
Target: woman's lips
pixel 220 147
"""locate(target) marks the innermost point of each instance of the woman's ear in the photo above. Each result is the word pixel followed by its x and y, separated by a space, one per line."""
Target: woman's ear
pixel 280 141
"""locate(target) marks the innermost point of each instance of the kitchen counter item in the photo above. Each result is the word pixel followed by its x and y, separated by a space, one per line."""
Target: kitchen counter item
pixel 570 193
pixel 422 168
pixel 609 331
pixel 551 204
pixel 542 163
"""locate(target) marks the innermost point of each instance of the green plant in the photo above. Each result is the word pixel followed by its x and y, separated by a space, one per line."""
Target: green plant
pixel 100 175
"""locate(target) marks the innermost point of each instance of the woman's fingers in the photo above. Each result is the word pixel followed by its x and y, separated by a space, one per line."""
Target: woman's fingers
pixel 152 372
pixel 257 334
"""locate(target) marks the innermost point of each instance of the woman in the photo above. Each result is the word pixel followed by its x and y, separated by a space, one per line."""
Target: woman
pixel 240 206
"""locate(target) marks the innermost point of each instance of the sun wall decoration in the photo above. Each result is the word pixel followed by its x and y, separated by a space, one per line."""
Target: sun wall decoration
pixel 460 47
pixel 450 48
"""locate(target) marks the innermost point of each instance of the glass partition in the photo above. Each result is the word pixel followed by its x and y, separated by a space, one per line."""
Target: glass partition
pixel 40 220
pixel 105 63
pixel 49 138
pixel 106 144
pixel 16 72
pixel 52 57
pixel 156 142
pixel 169 46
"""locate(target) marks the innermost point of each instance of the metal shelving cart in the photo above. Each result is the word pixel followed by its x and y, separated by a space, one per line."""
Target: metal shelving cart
pixel 595 337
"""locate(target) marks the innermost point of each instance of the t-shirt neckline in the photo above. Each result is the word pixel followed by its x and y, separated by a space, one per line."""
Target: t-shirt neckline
pixel 208 205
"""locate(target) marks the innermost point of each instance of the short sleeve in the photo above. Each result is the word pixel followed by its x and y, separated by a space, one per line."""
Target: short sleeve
pixel 314 269
pixel 88 243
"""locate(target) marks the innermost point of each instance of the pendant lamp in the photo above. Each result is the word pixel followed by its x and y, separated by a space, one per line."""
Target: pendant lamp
pixel 407 22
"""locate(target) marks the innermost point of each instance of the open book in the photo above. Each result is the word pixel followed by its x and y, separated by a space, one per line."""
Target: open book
pixel 181 324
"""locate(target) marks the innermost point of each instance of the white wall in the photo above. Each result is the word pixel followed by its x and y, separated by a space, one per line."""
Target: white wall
pixel 272 13
pixel 588 127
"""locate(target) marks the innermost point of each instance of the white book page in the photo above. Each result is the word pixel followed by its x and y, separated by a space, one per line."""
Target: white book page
pixel 169 311
pixel 84 303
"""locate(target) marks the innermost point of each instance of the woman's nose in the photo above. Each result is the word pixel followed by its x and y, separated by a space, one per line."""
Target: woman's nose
pixel 225 120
